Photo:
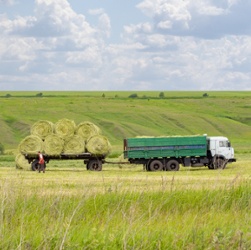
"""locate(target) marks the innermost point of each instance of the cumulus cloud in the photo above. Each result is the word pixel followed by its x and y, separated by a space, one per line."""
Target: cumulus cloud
pixel 57 19
pixel 104 22
pixel 181 44
pixel 54 37
pixel 7 2
pixel 206 19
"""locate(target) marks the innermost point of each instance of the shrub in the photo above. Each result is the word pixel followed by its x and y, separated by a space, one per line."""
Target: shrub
pixel 133 96
pixel 39 94
pixel 161 95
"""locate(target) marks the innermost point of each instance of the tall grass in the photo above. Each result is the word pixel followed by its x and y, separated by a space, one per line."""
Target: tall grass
pixel 145 220
pixel 125 209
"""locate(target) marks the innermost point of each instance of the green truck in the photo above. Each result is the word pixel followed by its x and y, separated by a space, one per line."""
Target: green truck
pixel 168 153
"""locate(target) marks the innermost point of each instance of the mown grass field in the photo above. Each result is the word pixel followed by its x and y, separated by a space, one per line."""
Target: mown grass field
pixel 124 207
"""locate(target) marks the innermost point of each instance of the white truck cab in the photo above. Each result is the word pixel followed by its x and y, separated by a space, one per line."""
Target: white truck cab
pixel 220 149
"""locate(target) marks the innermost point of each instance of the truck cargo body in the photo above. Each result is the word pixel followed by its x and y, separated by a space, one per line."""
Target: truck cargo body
pixel 165 147
pixel 166 153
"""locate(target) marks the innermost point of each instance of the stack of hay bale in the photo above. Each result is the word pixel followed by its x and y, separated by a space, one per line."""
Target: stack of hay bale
pixel 63 137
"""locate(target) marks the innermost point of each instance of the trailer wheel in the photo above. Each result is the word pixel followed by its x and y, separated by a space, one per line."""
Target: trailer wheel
pixel 34 165
pixel 155 165
pixel 94 165
pixel 172 165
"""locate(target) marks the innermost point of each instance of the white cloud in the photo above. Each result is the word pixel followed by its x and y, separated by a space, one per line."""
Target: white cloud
pixel 95 12
pixel 182 45
pixel 104 24
pixel 47 42
pixel 91 56
pixel 206 19
pixel 7 2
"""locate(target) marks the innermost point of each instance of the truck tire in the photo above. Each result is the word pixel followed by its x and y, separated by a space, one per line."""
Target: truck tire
pixel 34 165
pixel 219 163
pixel 147 166
pixel 155 165
pixel 172 165
pixel 94 165
pixel 211 166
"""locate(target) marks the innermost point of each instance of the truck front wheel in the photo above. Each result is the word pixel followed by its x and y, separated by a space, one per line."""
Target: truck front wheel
pixel 155 165
pixel 219 163
pixel 172 165
pixel 94 165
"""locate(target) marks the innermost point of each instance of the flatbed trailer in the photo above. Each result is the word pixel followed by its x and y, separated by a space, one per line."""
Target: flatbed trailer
pixel 93 162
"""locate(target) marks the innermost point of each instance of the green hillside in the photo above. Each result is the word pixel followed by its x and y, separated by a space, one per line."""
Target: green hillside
pixel 178 113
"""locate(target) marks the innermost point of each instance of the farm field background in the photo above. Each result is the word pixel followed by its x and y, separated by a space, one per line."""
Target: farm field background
pixel 124 207
pixel 179 113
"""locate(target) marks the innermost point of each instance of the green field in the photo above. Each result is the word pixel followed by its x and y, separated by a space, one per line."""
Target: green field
pixel 124 207
pixel 179 113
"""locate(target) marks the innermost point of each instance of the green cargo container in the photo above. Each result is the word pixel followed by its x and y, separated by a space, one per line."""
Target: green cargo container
pixel 159 147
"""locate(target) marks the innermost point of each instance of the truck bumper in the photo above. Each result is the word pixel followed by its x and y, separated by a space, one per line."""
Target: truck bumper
pixel 232 160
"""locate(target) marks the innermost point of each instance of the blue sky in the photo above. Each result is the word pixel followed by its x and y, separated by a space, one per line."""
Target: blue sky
pixel 125 45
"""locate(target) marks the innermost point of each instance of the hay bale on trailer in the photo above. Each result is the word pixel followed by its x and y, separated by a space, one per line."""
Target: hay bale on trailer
pixel 87 130
pixel 42 128
pixel 53 145
pixel 64 141
pixel 98 145
pixel 65 128
pixel 31 144
pixel 74 145
pixel 21 162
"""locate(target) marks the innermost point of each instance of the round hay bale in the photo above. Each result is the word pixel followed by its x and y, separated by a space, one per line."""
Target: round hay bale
pixel 42 128
pixel 87 130
pixel 53 145
pixel 75 145
pixel 21 162
pixel 65 128
pixel 98 145
pixel 31 144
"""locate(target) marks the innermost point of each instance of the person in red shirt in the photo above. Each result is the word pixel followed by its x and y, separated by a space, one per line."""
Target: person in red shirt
pixel 41 166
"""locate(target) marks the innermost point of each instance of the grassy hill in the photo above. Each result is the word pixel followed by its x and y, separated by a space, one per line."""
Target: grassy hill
pixel 178 113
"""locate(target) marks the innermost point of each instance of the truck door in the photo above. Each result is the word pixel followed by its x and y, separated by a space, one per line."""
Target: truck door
pixel 225 149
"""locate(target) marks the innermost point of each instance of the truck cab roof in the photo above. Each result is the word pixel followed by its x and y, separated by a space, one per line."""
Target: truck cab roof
pixel 217 138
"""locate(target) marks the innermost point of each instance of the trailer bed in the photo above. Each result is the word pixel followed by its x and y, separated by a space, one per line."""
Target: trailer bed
pixel 93 162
